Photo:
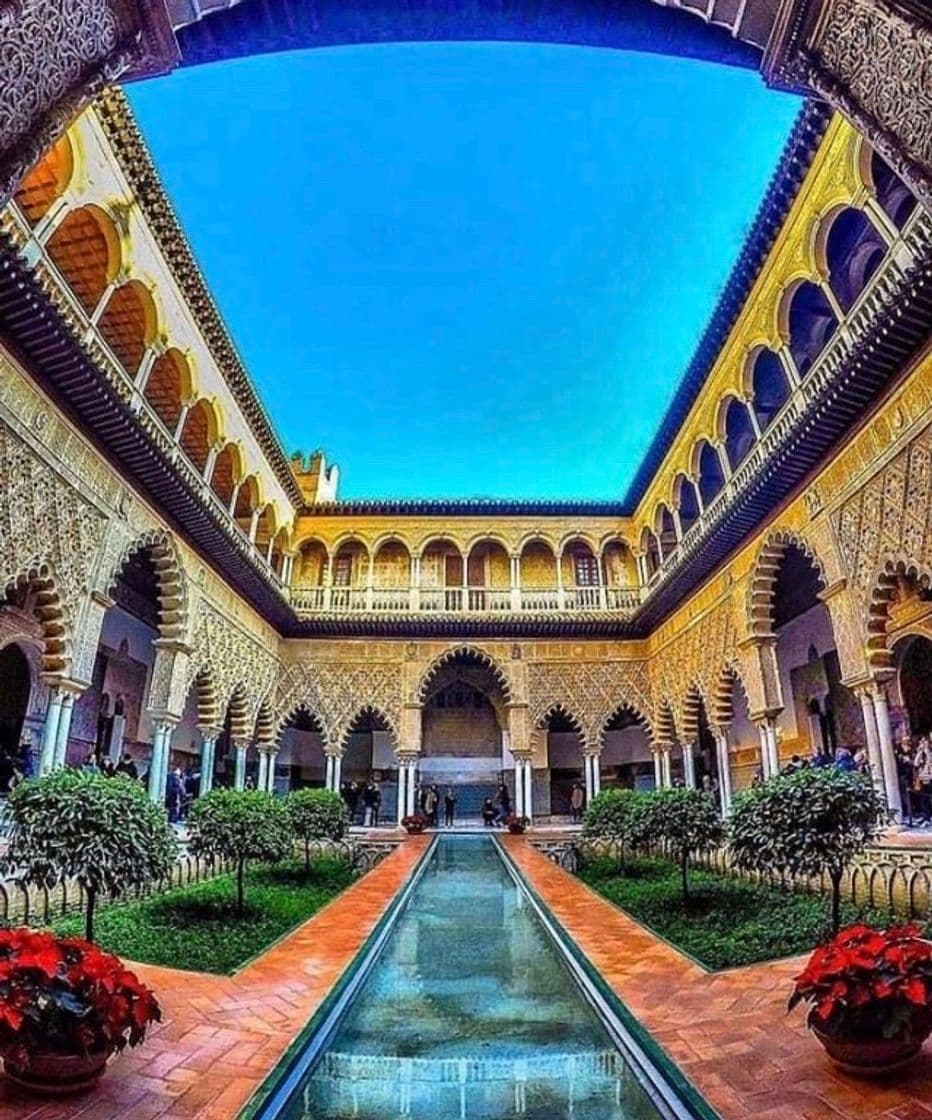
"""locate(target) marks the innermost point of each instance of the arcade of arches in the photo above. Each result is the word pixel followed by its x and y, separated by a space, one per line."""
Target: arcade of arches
pixel 189 599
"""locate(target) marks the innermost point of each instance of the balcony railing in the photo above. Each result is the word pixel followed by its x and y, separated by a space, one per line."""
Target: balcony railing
pixel 467 600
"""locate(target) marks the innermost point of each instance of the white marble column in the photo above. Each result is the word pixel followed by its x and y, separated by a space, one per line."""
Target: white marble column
pixel 328 771
pixel 208 747
pixel 337 772
pixel 874 756
pixel 63 729
pixel 887 755
pixel 262 781
pixel 158 766
pixel 658 768
pixel 50 731
pixel 529 790
pixel 666 779
pixel 689 765
pixel 239 767
pixel 587 771
pixel 270 772
pixel 724 771
pixel 597 774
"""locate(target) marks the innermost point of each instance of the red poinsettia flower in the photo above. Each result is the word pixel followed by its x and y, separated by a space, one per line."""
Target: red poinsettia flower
pixel 864 979
pixel 66 994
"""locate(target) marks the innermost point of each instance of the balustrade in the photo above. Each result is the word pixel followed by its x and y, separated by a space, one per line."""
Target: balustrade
pixel 478 600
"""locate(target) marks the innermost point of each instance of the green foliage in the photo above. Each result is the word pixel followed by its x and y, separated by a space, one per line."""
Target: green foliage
pixel 104 832
pixel 685 821
pixel 810 822
pixel 316 814
pixel 610 816
pixel 730 922
pixel 199 928
pixel 242 826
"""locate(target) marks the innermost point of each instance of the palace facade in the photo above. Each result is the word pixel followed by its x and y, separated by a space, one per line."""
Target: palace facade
pixel 177 588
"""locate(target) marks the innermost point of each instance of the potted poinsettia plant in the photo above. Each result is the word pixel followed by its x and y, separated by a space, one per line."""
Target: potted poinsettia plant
pixel 516 824
pixel 65 1007
pixel 414 823
pixel 871 996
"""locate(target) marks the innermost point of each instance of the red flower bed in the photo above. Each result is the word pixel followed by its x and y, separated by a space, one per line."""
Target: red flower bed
pixel 65 996
pixel 868 984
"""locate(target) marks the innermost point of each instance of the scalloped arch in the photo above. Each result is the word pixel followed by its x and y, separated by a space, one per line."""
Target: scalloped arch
pixel 764 578
pixel 476 655
pixel 170 578
pixel 883 587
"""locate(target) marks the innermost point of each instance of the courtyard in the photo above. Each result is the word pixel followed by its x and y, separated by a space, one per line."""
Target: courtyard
pixel 465 560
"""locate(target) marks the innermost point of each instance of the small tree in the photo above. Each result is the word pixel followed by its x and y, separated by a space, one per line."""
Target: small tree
pixel 103 832
pixel 239 825
pixel 684 820
pixel 316 814
pixel 811 822
pixel 610 815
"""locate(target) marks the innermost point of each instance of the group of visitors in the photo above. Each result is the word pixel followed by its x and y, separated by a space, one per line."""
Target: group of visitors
pixel 363 802
pixel 428 803
pixel 95 764
pixel 914 773
pixel 497 810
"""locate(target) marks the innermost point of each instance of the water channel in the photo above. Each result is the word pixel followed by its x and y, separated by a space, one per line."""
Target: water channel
pixel 471 1012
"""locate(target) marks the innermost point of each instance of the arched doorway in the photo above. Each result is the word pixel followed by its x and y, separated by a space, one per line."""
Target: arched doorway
pixel 301 754
pixel 369 762
pixel 626 761
pixel 565 759
pixel 464 733
pixel 819 711
pixel 913 661
pixel 109 717
pixel 15 692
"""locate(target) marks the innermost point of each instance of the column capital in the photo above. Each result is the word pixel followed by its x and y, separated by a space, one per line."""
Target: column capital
pixel 523 756
pixel 406 758
pixel 208 732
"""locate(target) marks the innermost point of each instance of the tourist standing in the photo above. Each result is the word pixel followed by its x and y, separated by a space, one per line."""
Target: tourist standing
pixel 376 803
pixel 504 801
pixel 577 801
pixel 449 806
pixel 430 805
pixel 488 812
pixel 368 803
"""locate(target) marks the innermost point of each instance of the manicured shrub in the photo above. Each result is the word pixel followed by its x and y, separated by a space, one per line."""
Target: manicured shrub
pixel 316 814
pixel 610 815
pixel 684 821
pixel 241 826
pixel 730 922
pixel 811 822
pixel 196 927
pixel 103 832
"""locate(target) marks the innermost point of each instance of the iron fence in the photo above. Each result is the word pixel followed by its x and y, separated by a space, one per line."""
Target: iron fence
pixel 895 879
pixel 24 903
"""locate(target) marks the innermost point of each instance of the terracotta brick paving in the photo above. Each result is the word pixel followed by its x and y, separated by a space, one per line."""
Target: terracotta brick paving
pixel 220 1036
pixel 728 1031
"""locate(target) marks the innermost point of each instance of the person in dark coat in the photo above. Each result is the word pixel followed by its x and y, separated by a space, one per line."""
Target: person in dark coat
pixel 449 806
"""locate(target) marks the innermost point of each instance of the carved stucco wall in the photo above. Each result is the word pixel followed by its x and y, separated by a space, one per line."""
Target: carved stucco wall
pixel 63 506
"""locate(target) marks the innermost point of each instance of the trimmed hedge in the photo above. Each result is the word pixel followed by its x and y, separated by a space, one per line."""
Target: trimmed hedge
pixel 730 922
pixel 197 927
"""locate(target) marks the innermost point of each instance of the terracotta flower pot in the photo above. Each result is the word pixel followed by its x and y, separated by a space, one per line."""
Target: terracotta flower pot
pixel 872 1058
pixel 56 1075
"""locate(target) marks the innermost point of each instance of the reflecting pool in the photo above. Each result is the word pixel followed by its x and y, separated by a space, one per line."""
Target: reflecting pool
pixel 471 1013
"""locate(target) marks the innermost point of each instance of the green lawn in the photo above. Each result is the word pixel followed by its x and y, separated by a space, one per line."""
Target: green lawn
pixel 729 922
pixel 197 928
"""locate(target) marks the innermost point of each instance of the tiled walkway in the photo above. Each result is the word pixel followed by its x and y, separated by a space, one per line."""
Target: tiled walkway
pixel 221 1035
pixel 728 1032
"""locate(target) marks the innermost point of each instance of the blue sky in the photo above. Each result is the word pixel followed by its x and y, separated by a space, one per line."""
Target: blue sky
pixel 466 269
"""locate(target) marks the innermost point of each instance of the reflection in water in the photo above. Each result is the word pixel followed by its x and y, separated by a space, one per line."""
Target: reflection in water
pixel 470 1013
